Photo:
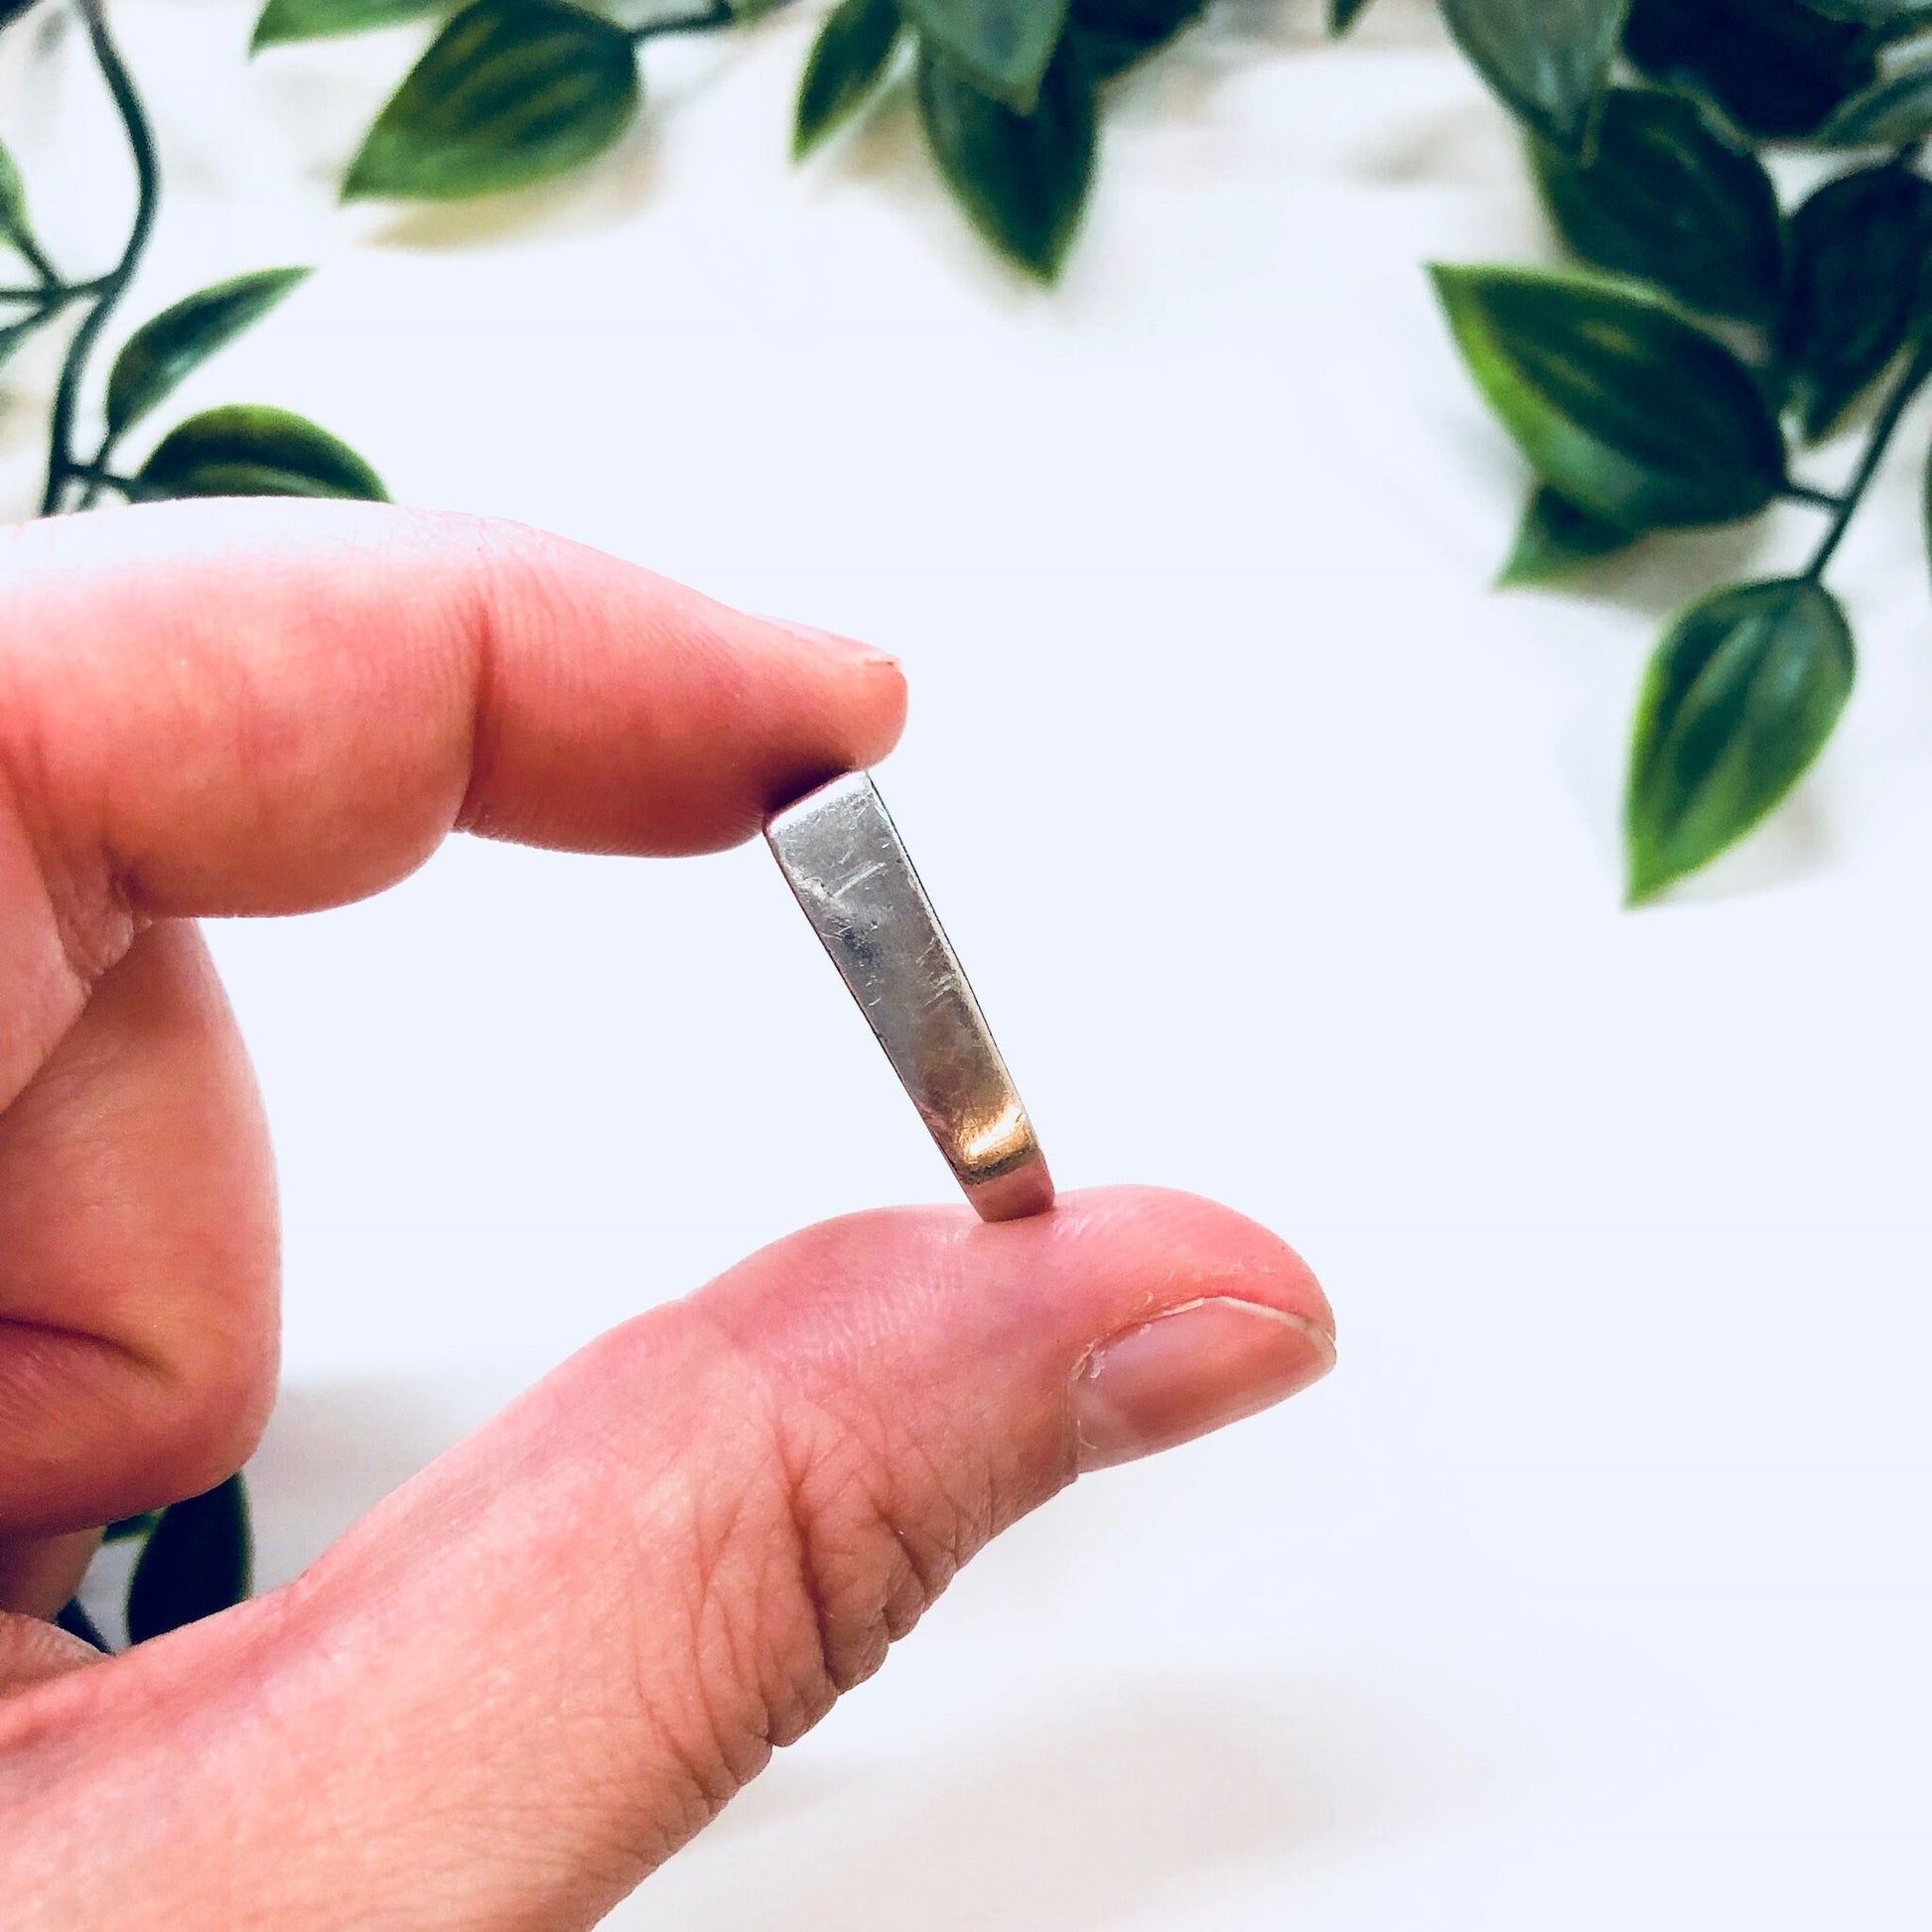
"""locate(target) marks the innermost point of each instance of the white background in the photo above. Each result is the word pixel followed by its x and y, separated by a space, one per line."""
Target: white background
pixel 1590 1590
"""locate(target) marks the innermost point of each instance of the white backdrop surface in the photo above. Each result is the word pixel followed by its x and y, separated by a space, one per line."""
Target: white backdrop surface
pixel 1592 1590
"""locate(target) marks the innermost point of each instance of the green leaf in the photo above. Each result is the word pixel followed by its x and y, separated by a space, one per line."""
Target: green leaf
pixel 1546 60
pixel 251 450
pixel 511 91
pixel 846 64
pixel 1556 540
pixel 196 1563
pixel 1858 246
pixel 1114 34
pixel 13 198
pixel 124 1527
pixel 1343 15
pixel 1925 503
pixel 1620 405
pixel 1021 177
pixel 1774 68
pixel 1887 114
pixel 1001 47
pixel 1667 198
pixel 1740 698
pixel 161 353
pixel 282 21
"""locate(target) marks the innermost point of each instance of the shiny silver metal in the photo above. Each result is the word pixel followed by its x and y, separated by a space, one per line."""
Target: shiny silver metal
pixel 842 857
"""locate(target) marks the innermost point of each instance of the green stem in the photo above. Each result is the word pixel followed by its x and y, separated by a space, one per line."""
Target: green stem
pixel 1883 431
pixel 1820 499
pixel 719 14
pixel 54 295
pixel 96 479
pixel 111 286
pixel 33 254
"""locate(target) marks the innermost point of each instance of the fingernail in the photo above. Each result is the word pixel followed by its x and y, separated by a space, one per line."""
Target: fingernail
pixel 830 641
pixel 1197 1368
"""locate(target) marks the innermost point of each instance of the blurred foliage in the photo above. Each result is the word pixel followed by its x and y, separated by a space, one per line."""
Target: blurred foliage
pixel 1711 333
pixel 158 355
pixel 1663 388
pixel 1009 93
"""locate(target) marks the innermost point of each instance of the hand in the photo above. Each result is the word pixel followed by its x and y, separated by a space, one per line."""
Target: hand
pixel 543 1664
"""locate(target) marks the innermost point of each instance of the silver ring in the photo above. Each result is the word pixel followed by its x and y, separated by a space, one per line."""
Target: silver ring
pixel 842 857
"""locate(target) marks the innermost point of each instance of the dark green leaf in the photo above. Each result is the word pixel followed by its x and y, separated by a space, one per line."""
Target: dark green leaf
pixel 249 450
pixel 1000 45
pixel 74 1621
pixel 1740 698
pixel 282 21
pixel 1858 245
pixel 161 353
pixel 13 198
pixel 1547 60
pixel 1773 68
pixel 1343 15
pixel 1021 177
pixel 1621 404
pixel 1114 34
pixel 196 1563
pixel 1667 198
pixel 846 64
pixel 511 91
pixel 125 1527
pixel 1886 114
pixel 1556 540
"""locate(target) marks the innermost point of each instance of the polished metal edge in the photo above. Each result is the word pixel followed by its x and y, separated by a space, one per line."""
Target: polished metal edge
pixel 849 870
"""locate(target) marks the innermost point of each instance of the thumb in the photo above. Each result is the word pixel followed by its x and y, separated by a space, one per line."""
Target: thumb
pixel 541 1665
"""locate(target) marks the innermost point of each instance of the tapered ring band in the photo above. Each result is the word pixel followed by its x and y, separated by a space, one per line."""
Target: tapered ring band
pixel 844 860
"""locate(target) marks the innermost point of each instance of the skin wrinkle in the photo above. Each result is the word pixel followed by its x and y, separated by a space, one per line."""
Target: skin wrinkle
pixel 834 1664
pixel 728 1754
pixel 164 1393
pixel 855 1527
pixel 80 963
pixel 487 603
pixel 815 1637
pixel 778 1640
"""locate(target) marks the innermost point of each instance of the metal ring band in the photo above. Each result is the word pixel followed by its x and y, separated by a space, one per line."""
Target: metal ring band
pixel 844 860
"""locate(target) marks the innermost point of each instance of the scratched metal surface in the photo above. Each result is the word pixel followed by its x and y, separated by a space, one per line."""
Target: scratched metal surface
pixel 844 859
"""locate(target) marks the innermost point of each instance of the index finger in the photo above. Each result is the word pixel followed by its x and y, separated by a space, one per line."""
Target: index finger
pixel 270 706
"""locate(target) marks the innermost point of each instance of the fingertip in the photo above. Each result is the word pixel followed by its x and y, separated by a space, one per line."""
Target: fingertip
pixel 1205 1317
pixel 858 691
pixel 1182 1247
pixel 32 1652
pixel 914 1294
